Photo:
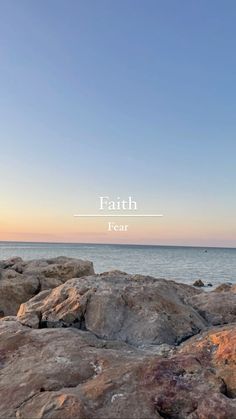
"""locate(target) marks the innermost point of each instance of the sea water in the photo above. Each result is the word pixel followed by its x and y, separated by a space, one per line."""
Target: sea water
pixel 182 264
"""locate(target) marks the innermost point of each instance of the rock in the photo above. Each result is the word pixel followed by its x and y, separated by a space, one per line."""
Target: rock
pixel 56 405
pixel 20 281
pixel 60 268
pixel 206 360
pixel 198 283
pixel 135 309
pixel 223 288
pixel 113 345
pixel 215 307
pixel 69 373
pixel 15 289
pixel 216 348
pixel 9 263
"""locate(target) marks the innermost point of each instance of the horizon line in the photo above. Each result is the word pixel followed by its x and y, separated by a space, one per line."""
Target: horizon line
pixel 119 244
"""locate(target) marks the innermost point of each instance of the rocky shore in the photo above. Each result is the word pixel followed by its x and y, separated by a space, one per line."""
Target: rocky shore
pixel 76 345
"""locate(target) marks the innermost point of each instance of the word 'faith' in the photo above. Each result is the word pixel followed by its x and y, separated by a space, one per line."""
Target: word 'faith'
pixel 119 204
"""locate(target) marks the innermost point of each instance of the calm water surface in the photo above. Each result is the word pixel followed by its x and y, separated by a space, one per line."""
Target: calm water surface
pixel 183 264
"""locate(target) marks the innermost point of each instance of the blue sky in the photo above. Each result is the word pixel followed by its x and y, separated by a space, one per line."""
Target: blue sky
pixel 120 98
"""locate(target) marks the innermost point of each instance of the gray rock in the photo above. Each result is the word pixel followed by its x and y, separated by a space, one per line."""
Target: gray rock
pixel 60 268
pixel 134 309
pixel 9 263
pixel 223 288
pixel 20 281
pixel 16 289
pixel 216 308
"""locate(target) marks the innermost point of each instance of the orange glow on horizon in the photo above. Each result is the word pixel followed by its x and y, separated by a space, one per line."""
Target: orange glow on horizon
pixel 143 231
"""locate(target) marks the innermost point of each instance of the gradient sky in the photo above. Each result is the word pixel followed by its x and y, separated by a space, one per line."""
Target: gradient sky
pixel 118 98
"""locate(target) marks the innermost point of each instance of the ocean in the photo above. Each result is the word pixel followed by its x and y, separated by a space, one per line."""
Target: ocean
pixel 182 264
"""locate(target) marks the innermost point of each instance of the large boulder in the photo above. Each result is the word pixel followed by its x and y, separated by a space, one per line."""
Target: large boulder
pixel 135 309
pixel 217 347
pixel 20 281
pixel 195 382
pixel 228 286
pixel 216 307
pixel 69 373
pixel 61 268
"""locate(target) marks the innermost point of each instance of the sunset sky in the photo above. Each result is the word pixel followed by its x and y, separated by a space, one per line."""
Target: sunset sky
pixel 119 98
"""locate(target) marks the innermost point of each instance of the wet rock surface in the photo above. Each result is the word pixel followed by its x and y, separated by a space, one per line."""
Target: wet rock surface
pixel 198 283
pixel 119 346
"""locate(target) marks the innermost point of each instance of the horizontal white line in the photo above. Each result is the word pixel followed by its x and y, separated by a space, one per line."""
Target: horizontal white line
pixel 121 215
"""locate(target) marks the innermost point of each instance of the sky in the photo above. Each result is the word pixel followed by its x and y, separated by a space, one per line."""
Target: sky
pixel 118 98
